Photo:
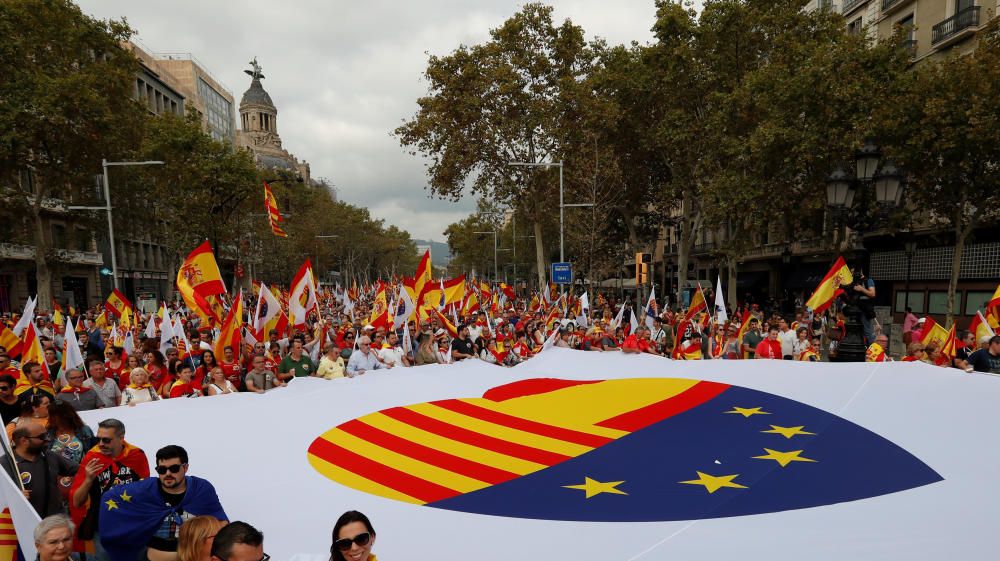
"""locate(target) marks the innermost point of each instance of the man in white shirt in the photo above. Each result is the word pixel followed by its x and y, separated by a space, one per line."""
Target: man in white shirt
pixel 393 355
pixel 107 389
pixel 787 338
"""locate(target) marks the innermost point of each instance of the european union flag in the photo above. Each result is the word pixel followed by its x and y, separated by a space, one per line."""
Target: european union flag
pixel 131 513
pixel 740 452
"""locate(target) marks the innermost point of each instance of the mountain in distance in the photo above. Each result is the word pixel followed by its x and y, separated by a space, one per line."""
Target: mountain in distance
pixel 440 255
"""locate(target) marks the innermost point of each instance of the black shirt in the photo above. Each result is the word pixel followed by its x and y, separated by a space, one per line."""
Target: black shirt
pixel 9 412
pixel 166 536
pixel 463 346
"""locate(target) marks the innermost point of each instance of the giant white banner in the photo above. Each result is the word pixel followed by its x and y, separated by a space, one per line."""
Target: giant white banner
pixel 650 459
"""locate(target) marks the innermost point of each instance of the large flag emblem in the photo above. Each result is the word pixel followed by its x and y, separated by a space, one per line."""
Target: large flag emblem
pixel 640 449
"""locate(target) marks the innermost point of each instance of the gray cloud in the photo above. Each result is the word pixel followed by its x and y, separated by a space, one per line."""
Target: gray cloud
pixel 344 74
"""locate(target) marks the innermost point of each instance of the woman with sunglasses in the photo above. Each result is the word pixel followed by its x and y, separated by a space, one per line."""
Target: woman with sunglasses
pixel 353 538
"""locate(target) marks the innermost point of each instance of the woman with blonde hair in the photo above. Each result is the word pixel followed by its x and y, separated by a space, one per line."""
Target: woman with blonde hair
pixel 194 542
pixel 138 390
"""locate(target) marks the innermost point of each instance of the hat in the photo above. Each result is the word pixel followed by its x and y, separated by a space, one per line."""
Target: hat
pixel 921 320
pixel 440 332
pixel 367 327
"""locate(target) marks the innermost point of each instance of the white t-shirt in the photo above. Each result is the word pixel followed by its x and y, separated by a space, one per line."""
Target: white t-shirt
pixel 393 356
pixel 787 340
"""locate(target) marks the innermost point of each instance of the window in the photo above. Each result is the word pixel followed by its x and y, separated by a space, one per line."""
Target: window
pixel 916 301
pixel 937 302
pixel 59 236
pixel 854 27
pixel 975 300
pixel 963 5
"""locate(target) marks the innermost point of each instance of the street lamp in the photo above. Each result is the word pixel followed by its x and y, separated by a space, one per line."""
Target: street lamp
pixel 107 208
pixel 562 205
pixel 886 181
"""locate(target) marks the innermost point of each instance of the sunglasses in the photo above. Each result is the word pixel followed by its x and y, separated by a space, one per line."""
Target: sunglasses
pixel 4 388
pixel 106 439
pixel 361 539
pixel 43 436
pixel 162 470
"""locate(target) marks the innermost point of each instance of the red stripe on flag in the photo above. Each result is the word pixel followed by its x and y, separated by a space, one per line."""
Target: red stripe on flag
pixel 655 412
pixel 383 475
pixel 526 425
pixel 473 438
pixel 410 449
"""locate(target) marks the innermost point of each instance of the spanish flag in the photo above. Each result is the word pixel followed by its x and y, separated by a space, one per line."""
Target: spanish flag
pixel 232 328
pixel 829 287
pixel 697 306
pixel 380 309
pixel 448 326
pixel 744 326
pixel 933 332
pixel 980 327
pixel 454 290
pixel 200 282
pixel 117 303
pixel 471 304
pixel 422 277
pixel 950 345
pixel 994 304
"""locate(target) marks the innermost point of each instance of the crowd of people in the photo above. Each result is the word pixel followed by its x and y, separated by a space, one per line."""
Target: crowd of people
pixel 65 467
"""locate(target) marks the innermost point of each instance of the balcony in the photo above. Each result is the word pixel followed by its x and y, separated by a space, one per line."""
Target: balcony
pixel 851 5
pixel 27 253
pixel 890 6
pixel 955 28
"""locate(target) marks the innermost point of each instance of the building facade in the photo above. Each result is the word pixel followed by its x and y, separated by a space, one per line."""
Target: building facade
pixel 259 129
pixel 203 92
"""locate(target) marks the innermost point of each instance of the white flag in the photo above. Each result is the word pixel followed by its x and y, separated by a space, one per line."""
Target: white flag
pixel 72 357
pixel 404 309
pixel 22 514
pixel 633 322
pixel 720 304
pixel 616 323
pixel 128 346
pixel 26 317
pixel 151 326
pixel 166 332
pixel 582 319
pixel 650 310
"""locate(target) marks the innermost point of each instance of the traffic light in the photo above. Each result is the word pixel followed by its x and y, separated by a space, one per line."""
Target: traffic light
pixel 642 261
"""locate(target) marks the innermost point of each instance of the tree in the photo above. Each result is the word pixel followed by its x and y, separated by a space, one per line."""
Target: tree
pixel 65 103
pixel 517 97
pixel 946 134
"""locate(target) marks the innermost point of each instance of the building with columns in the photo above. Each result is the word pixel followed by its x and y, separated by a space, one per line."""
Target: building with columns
pixel 259 129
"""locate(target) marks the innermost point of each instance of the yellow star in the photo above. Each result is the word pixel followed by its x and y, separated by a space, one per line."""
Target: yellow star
pixel 748 411
pixel 714 483
pixel 783 458
pixel 126 497
pixel 787 432
pixel 593 487
pixel 111 504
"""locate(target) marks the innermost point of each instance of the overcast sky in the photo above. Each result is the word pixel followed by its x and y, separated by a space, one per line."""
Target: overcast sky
pixel 344 74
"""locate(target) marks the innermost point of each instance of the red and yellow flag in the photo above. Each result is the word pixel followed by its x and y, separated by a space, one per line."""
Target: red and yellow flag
pixel 200 283
pixel 10 341
pixel 274 217
pixel 950 345
pixel 380 309
pixel 448 326
pixel 980 327
pixel 454 290
pixel 117 304
pixel 994 305
pixel 933 333
pixel 829 287
pixel 8 537
pixel 232 328
pixel 698 305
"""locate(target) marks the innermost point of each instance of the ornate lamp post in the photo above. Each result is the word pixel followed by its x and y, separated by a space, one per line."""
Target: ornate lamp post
pixel 872 175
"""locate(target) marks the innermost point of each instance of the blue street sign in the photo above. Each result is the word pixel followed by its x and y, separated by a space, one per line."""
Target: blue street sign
pixel 562 273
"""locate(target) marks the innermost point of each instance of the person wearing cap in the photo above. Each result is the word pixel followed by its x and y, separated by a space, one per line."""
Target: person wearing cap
pixel 331 365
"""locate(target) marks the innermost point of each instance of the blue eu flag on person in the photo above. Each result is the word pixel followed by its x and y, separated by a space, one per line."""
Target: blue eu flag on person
pixel 131 513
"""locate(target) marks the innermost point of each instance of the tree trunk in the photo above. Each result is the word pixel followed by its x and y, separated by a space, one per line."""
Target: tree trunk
pixel 690 221
pixel 539 254
pixel 43 273
pixel 961 234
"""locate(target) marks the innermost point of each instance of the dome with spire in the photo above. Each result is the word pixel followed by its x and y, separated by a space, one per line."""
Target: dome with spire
pixel 256 95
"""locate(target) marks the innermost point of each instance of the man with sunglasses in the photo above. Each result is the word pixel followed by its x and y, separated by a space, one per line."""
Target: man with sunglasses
pixel 38 472
pixel 10 405
pixel 148 514
pixel 77 395
pixel 112 462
